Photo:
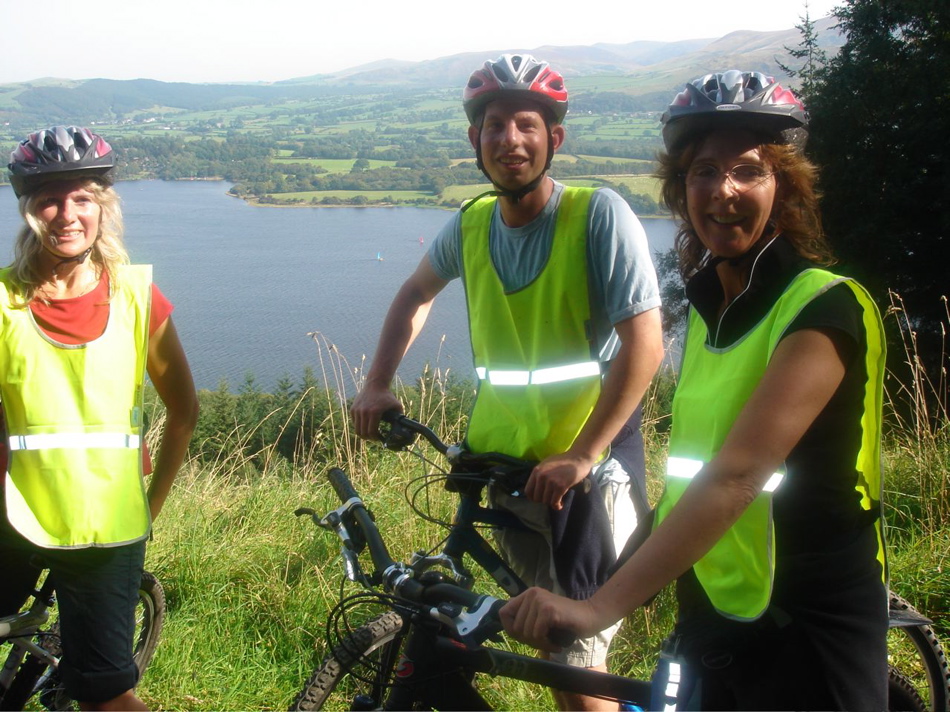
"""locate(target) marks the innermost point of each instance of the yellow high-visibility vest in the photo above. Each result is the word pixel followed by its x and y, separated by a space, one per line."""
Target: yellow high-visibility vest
pixel 714 386
pixel 74 422
pixel 538 372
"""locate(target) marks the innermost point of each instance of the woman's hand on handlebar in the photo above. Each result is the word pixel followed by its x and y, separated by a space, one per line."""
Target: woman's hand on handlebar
pixel 534 615
pixel 554 476
pixel 370 403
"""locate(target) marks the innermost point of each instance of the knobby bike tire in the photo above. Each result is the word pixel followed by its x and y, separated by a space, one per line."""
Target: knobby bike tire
pixel 925 671
pixel 902 695
pixel 149 620
pixel 35 676
pixel 370 651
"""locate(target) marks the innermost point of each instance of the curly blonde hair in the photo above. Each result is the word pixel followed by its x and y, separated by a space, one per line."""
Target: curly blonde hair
pixel 108 251
pixel 795 213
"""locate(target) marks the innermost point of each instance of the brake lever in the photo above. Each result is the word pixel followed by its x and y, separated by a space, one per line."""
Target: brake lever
pixel 475 624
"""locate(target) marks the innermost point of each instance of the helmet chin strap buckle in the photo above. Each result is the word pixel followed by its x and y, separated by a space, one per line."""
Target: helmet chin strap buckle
pixel 515 196
pixel 79 259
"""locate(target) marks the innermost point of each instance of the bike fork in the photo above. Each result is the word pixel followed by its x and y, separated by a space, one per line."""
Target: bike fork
pixel 434 679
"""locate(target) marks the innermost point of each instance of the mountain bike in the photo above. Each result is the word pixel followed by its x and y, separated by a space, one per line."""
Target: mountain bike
pixel 424 649
pixel 32 664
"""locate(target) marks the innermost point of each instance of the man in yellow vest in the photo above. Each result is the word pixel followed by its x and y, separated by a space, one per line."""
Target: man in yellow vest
pixel 565 327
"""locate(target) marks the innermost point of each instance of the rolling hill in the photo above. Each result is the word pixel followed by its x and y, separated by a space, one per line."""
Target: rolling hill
pixel 642 69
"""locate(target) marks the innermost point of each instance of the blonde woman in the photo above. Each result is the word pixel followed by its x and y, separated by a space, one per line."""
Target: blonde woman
pixel 80 330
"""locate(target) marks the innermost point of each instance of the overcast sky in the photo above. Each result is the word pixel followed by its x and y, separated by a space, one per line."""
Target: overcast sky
pixel 270 40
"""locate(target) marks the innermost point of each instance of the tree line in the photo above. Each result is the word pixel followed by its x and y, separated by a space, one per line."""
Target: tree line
pixel 880 119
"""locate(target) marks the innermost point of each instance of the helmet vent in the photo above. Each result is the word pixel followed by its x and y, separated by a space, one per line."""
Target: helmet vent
pixel 532 74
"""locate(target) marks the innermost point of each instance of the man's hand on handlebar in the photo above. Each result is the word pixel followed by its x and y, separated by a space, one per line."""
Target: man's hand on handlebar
pixel 370 403
pixel 554 476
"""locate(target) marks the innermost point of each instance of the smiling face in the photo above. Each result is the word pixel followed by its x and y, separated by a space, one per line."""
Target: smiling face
pixel 513 139
pixel 70 215
pixel 728 218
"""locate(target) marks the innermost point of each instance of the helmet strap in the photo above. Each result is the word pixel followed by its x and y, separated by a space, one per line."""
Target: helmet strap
pixel 78 259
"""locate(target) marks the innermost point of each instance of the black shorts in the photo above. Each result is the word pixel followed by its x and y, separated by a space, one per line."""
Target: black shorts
pixel 822 644
pixel 97 591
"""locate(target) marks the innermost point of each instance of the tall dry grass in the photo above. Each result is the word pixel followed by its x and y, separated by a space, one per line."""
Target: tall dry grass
pixel 917 474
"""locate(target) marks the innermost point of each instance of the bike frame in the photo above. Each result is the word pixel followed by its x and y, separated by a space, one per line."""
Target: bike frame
pixel 435 670
pixel 464 538
pixel 20 628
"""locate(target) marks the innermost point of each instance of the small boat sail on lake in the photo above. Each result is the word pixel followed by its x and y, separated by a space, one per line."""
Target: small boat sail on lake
pixel 379 256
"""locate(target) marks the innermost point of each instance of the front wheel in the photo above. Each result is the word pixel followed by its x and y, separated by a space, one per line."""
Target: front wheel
pixel 358 671
pixel 919 678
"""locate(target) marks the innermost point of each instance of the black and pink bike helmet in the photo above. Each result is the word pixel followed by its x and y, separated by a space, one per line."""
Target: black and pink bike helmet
pixel 60 153
pixel 513 74
pixel 742 99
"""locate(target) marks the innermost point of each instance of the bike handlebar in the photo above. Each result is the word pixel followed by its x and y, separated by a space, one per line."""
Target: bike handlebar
pixel 403 431
pixel 477 622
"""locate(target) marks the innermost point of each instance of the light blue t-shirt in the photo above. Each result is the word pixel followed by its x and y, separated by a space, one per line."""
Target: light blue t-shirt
pixel 622 278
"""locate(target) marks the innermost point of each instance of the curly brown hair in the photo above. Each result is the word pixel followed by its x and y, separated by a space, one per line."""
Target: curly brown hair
pixel 795 213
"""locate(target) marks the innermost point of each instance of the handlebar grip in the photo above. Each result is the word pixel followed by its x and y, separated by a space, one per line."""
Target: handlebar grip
pixel 341 484
pixel 561 637
pixel 363 519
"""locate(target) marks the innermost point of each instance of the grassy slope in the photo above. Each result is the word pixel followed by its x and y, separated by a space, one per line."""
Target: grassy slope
pixel 249 585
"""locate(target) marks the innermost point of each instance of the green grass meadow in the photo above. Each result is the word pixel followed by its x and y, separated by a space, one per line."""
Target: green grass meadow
pixel 249 585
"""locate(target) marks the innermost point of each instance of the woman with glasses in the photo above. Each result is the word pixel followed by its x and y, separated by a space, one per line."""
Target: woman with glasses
pixel 770 519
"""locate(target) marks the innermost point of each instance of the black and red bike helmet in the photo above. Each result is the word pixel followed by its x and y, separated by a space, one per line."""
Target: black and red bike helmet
pixel 515 74
pixel 60 153
pixel 733 98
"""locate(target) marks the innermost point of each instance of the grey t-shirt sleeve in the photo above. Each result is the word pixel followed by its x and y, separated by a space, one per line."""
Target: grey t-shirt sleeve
pixel 445 253
pixel 621 262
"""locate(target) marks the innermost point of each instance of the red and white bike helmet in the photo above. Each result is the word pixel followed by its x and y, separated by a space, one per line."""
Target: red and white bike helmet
pixel 515 73
pixel 734 98
pixel 59 153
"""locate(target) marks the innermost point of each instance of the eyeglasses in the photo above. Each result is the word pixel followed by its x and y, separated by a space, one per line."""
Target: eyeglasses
pixel 745 176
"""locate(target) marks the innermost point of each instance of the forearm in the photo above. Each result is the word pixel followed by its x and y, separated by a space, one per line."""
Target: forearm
pixel 406 316
pixel 170 374
pixel 630 374
pixel 404 320
pixel 707 509
pixel 172 451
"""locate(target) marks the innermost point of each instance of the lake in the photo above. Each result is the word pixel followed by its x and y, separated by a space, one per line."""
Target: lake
pixel 271 291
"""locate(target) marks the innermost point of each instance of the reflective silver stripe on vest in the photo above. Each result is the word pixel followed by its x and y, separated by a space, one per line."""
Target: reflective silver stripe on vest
pixel 77 441
pixel 687 468
pixel 554 374
pixel 672 687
